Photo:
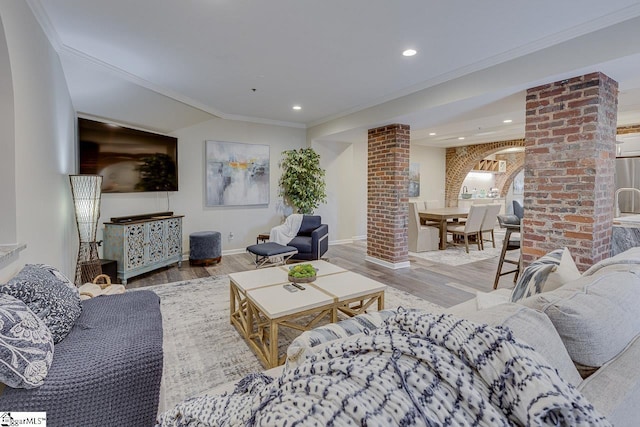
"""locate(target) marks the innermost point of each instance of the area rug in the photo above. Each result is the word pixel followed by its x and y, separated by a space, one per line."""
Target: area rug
pixel 203 350
pixel 456 255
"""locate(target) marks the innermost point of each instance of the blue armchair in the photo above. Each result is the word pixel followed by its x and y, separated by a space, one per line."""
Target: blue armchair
pixel 312 240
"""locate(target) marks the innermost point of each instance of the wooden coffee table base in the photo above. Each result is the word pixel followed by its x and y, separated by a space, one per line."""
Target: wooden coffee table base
pixel 261 303
pixel 261 333
pixel 356 306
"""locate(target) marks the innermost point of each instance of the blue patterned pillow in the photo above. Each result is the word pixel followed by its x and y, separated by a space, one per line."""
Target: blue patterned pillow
pixel 533 278
pixel 50 295
pixel 26 345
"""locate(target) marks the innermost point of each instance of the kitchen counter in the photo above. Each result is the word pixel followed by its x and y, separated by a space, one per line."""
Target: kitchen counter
pixel 625 234
pixel 466 203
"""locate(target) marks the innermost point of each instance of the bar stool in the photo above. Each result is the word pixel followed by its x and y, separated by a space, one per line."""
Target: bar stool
pixel 511 224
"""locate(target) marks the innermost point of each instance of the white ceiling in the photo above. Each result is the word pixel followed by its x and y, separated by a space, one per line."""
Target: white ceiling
pixel 166 64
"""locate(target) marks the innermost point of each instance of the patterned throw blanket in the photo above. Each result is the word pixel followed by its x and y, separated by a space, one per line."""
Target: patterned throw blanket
pixel 416 369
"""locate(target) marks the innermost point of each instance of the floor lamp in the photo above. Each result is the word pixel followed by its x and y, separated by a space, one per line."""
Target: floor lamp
pixel 86 192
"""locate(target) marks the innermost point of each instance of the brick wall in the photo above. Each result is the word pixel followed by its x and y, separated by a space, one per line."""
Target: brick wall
pixel 569 168
pixel 387 193
pixel 461 160
pixel 457 166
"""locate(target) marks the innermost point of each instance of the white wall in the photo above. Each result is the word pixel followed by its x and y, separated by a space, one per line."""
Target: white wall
pixel 346 176
pixel 44 145
pixel 245 222
pixel 432 172
pixel 7 148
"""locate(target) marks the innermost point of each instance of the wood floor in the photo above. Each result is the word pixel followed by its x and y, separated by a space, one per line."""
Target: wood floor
pixel 441 284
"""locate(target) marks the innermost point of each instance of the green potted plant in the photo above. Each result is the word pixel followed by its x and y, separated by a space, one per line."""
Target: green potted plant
pixel 302 182
pixel 157 173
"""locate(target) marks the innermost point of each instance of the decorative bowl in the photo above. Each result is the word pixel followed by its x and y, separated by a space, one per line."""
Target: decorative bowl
pixel 302 279
pixel 302 273
pixel 466 195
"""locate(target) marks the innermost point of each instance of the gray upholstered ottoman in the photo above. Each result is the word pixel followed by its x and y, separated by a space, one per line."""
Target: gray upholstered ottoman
pixel 204 248
pixel 271 254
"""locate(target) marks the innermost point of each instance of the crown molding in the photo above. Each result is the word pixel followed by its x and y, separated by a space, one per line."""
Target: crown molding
pixel 63 49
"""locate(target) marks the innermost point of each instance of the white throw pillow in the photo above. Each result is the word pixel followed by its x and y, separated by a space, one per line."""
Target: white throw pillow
pixel 545 274
pixel 566 272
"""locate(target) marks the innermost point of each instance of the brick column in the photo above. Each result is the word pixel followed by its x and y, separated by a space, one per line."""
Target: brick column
pixel 388 196
pixel 569 168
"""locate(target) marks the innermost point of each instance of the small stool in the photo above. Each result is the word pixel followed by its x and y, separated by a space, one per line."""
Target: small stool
pixel 204 248
pixel 271 254
pixel 508 245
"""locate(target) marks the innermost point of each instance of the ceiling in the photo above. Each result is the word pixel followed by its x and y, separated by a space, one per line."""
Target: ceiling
pixel 166 64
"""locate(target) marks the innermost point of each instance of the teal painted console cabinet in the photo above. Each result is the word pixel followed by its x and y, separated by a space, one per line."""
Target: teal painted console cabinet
pixel 140 246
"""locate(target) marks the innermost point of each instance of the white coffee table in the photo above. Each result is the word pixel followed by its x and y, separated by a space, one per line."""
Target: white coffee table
pixel 260 305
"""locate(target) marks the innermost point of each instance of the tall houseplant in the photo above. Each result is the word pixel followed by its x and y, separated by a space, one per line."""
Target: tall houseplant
pixel 302 182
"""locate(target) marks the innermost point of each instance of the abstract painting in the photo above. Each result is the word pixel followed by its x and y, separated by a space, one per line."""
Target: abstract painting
pixel 236 174
pixel 414 179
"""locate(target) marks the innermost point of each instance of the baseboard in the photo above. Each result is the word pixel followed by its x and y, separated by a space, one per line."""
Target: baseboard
pixel 340 242
pixel 234 251
pixel 387 264
pixel 363 237
pixel 243 250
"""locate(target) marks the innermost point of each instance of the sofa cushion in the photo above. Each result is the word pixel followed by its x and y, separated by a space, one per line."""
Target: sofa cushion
pixel 596 317
pixel 26 345
pixel 625 261
pixel 49 294
pixel 535 329
pixel 309 223
pixel 486 300
pixel 546 273
pixel 614 388
pixel 301 243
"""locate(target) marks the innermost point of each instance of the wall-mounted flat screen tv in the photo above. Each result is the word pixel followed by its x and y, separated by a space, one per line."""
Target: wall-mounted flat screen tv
pixel 129 160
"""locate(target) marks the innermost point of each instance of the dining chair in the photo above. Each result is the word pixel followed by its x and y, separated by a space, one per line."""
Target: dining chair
pixel 471 227
pixel 433 204
pixel 422 238
pixel 518 209
pixel 429 204
pixel 489 223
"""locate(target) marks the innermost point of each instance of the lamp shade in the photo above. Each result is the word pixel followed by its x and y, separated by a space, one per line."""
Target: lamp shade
pixel 86 193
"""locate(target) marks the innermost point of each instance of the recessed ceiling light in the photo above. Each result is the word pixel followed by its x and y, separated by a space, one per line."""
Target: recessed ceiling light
pixel 432 134
pixel 297 107
pixel 461 137
pixel 409 52
pixel 507 121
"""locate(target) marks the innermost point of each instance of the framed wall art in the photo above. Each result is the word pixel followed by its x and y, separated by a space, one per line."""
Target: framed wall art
pixel 414 179
pixel 236 174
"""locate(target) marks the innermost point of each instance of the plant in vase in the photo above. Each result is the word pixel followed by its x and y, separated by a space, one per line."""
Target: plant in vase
pixel 302 182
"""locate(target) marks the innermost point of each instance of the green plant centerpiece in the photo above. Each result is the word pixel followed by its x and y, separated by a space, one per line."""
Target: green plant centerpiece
pixel 302 273
pixel 302 182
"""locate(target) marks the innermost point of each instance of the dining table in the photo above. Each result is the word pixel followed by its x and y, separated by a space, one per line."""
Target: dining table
pixel 441 216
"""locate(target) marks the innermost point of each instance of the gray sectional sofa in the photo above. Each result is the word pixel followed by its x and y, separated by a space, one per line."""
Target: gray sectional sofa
pixel 106 371
pixel 587 330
